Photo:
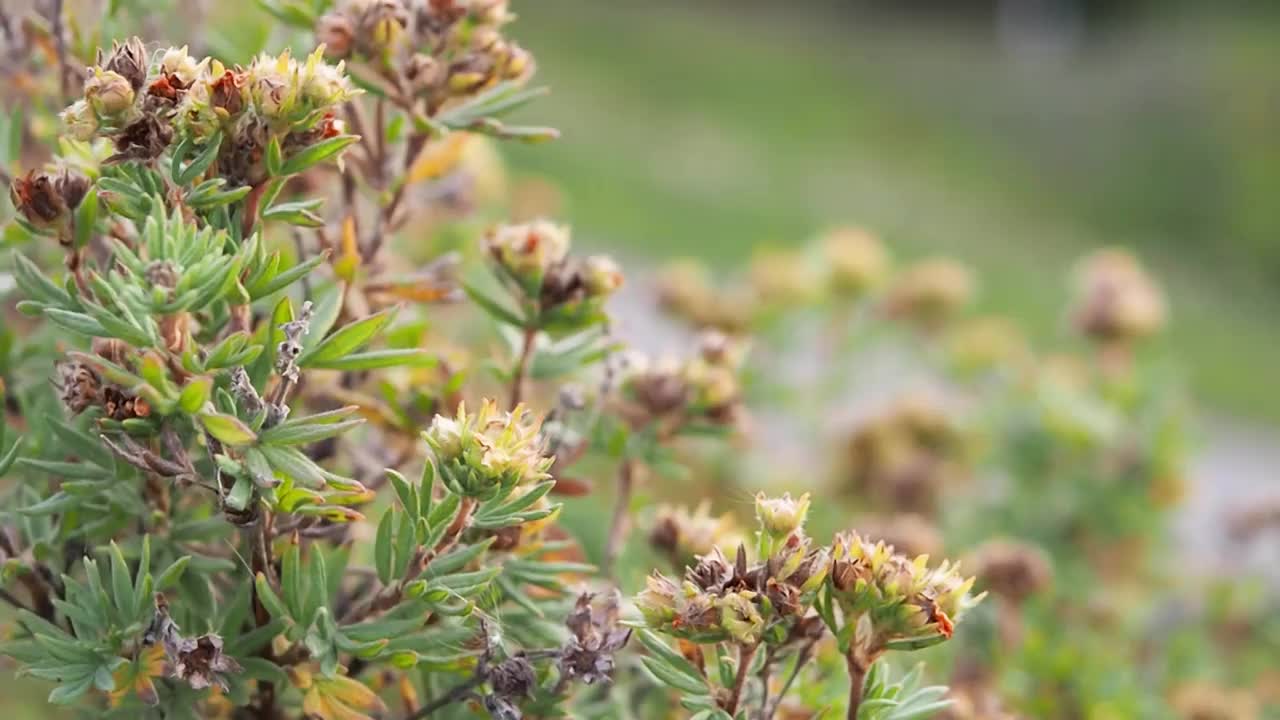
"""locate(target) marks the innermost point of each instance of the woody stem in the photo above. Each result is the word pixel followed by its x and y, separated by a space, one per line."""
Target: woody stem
pixel 745 655
pixel 621 522
pixel 857 677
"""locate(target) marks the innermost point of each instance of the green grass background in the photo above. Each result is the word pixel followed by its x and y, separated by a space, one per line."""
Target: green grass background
pixel 707 129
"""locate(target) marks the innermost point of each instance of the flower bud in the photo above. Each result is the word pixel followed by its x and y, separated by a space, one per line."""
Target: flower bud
pixel 108 93
pixel 527 251
pixel 930 293
pixel 226 94
pixel 479 454
pixel 602 276
pixel 779 517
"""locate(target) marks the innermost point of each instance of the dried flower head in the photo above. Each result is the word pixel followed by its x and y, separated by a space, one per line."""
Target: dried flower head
pixel 46 199
pixel 594 638
pixel 1012 570
pixel 987 343
pixel 129 60
pixel 1116 299
pixel 682 534
pixel 477 455
pixel 930 293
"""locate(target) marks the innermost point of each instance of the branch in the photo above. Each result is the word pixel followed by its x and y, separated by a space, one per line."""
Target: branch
pixel 621 523
pixel 522 366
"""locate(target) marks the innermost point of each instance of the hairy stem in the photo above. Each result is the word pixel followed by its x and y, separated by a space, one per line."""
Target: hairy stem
pixel 621 523
pixel 857 677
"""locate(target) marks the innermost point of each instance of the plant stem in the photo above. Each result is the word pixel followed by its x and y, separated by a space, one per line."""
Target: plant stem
pixel 621 523
pixel 522 366
pixel 745 655
pixel 857 677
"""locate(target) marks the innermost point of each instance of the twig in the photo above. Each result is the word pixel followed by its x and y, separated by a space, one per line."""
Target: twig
pixel 459 692
pixel 621 523
pixel 60 42
pixel 521 373
pixel 745 655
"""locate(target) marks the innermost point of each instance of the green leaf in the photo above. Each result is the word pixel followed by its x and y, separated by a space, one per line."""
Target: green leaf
pixel 241 493
pixel 317 154
pixel 7 460
pixel 494 308
pixel 201 161
pixel 382 548
pixel 269 599
pixel 301 431
pixel 76 322
pixel 669 676
pixel 169 578
pixel 195 394
pixel 379 359
pixel 227 429
pixel 298 213
pixel 347 339
pixel 85 219
pixel 284 279
pixel 275 159
pixel 294 464
pixel 35 284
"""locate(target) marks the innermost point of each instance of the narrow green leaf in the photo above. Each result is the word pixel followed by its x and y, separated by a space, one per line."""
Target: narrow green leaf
pixel 227 428
pixel 195 394
pixel 170 576
pixel 382 548
pixel 318 153
pixel 347 339
pixel 202 161
pixel 379 359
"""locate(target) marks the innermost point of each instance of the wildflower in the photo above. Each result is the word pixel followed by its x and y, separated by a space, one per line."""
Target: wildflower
pixel 781 516
pixel 602 275
pixel 479 454
pixel 109 93
pixel 856 260
pixel 528 251
pixel 740 618
pixel 594 638
pixel 903 598
pixel 177 62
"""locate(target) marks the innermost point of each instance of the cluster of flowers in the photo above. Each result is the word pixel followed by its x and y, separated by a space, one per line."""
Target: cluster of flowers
pixel 677 393
pixel 845 264
pixel 903 458
pixel 439 51
pixel 743 601
pixel 534 259
pixel 143 102
pixel 484 453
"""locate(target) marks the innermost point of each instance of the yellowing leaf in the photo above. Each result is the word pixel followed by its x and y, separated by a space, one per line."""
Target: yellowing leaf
pixel 438 158
pixel 348 260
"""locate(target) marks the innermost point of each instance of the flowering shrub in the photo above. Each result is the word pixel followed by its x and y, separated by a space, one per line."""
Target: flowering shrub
pixel 261 460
